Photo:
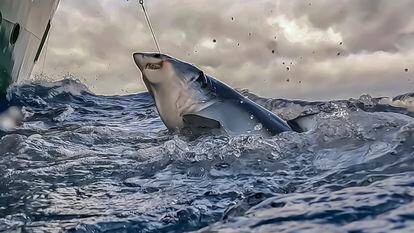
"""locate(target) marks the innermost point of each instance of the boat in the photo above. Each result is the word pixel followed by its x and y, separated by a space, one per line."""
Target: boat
pixel 24 27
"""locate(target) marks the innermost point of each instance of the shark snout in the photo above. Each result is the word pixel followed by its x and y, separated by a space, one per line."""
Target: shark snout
pixel 139 60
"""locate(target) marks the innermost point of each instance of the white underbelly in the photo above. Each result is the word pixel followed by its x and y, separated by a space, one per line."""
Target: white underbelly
pixel 168 112
pixel 173 106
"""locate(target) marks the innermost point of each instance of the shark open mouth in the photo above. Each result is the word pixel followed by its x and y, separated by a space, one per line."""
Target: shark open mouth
pixel 154 66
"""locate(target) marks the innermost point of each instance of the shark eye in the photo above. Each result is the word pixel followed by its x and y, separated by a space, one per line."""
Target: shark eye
pixel 154 66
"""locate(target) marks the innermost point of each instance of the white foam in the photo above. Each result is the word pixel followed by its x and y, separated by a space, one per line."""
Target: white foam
pixel 10 119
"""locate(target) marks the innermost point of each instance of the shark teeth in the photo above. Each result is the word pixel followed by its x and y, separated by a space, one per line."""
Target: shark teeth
pixel 153 66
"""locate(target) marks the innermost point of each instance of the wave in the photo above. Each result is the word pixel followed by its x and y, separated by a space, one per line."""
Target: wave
pixel 112 156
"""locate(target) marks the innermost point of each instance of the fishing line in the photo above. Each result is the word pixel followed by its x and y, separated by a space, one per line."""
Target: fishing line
pixel 141 2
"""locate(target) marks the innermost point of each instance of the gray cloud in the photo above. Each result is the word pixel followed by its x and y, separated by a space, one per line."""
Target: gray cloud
pixel 256 43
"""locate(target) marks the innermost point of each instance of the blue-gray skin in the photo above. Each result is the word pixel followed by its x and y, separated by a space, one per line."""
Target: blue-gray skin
pixel 187 98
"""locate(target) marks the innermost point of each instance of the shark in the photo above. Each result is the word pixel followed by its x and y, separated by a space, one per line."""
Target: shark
pixel 188 99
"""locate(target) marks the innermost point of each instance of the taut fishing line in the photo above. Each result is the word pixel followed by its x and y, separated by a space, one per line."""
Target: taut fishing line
pixel 141 2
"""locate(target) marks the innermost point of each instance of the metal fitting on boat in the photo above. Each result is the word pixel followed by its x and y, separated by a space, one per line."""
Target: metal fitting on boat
pixel 15 34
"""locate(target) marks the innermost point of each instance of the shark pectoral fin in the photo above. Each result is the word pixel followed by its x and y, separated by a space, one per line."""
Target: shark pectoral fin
pixel 195 121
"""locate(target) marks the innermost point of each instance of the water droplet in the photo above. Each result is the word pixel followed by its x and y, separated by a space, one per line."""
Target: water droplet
pixel 251 117
pixel 258 127
pixel 242 102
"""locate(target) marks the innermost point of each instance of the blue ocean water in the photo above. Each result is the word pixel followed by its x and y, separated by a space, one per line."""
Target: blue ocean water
pixel 80 162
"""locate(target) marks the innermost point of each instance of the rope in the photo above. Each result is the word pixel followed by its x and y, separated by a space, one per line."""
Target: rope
pixel 141 2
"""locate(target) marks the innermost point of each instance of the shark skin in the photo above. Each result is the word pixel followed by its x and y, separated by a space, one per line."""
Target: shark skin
pixel 187 98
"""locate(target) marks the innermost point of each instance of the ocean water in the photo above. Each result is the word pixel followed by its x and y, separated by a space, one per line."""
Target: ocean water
pixel 80 162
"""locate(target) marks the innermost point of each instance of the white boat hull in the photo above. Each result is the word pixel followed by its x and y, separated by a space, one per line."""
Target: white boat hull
pixel 24 27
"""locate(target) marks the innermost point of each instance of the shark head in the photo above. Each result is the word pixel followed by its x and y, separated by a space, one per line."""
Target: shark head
pixel 163 70
pixel 176 86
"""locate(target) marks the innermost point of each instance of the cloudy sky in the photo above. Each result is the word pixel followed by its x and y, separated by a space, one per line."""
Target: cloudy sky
pixel 319 49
